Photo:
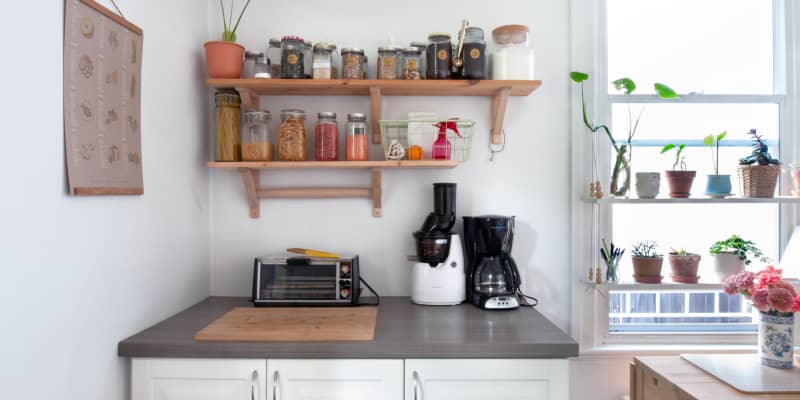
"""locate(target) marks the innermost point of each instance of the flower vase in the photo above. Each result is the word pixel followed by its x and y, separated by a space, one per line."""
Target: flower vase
pixel 619 185
pixel 776 341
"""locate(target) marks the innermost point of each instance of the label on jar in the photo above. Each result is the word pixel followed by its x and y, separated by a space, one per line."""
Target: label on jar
pixel 321 65
pixel 474 54
pixel 350 60
pixel 441 54
pixel 388 61
pixel 411 64
pixel 292 59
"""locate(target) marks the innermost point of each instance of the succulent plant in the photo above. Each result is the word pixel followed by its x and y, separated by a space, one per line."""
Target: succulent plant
pixel 760 154
pixel 645 249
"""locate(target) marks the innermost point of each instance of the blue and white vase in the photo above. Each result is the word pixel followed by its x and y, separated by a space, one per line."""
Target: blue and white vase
pixel 776 341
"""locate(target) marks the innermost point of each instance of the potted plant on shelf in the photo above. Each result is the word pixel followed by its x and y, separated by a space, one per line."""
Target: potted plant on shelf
pixel 777 301
pixel 680 181
pixel 684 266
pixel 646 262
pixel 758 172
pixel 224 57
pixel 717 186
pixel 619 185
pixel 733 254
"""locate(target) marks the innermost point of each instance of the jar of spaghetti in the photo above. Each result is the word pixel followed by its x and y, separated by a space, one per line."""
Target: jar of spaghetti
pixel 354 63
pixel 387 62
pixel 227 125
pixel 256 144
pixel 327 137
pixel 356 142
pixel 292 135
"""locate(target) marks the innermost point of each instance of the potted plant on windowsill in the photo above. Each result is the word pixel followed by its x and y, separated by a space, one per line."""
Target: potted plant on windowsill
pixel 680 181
pixel 646 262
pixel 733 254
pixel 758 172
pixel 684 266
pixel 224 57
pixel 717 186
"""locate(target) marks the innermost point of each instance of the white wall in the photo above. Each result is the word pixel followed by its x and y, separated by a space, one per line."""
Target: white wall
pixel 80 274
pixel 529 179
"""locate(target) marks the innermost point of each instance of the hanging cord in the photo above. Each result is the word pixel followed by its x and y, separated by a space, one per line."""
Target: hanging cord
pixel 492 151
pixel 525 300
pixel 118 10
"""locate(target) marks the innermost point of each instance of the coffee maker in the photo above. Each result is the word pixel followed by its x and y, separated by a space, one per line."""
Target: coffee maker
pixel 493 280
pixel 438 269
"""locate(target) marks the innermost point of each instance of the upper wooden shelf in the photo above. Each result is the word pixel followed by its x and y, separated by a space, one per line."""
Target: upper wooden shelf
pixel 340 87
pixel 334 164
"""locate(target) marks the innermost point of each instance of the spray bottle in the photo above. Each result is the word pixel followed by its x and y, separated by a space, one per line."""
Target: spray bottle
pixel 441 147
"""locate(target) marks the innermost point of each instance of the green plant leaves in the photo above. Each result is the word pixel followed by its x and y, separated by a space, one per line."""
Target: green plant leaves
pixel 578 77
pixel 625 84
pixel 667 148
pixel 722 136
pixel 665 92
pixel 708 140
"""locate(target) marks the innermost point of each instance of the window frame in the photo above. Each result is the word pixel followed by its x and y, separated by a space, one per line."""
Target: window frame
pixel 589 322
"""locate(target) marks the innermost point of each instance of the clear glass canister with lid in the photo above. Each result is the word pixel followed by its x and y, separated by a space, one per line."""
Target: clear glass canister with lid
pixel 292 57
pixel 227 125
pixel 411 64
pixel 353 63
pixel 326 132
pixel 474 54
pixel 262 67
pixel 274 57
pixel 292 135
pixel 356 141
pixel 422 47
pixel 439 56
pixel 513 59
pixel 249 65
pixel 387 62
pixel 307 58
pixel 324 66
pixel 256 142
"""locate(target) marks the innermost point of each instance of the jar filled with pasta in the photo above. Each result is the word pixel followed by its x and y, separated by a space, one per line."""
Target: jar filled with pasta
pixel 256 143
pixel 292 135
pixel 354 63
pixel 227 125
pixel 326 144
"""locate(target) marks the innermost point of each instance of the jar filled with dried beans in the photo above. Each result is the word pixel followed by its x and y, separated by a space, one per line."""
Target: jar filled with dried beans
pixel 353 63
pixel 227 125
pixel 327 137
pixel 387 62
pixel 292 135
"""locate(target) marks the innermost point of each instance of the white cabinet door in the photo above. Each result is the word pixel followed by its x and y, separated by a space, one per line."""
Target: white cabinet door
pixel 201 379
pixel 477 379
pixel 335 379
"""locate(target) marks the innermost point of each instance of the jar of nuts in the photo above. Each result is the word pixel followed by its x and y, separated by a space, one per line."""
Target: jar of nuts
pixel 354 63
pixel 411 64
pixel 292 135
pixel 387 62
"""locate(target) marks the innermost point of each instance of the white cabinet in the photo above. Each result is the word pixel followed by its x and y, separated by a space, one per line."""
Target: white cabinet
pixel 201 379
pixel 335 379
pixel 486 379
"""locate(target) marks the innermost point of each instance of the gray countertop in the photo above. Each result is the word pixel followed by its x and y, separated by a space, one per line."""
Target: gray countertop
pixel 403 330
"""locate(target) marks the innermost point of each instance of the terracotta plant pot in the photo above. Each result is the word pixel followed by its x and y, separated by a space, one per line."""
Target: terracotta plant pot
pixel 680 183
pixel 684 268
pixel 647 269
pixel 224 59
pixel 727 264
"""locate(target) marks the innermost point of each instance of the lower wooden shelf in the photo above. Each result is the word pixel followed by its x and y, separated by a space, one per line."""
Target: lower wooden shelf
pixel 250 172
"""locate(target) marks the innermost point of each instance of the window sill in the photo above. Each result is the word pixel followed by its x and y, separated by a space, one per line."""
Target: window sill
pixel 621 351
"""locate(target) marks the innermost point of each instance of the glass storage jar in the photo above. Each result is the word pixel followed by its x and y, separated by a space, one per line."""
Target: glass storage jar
pixel 356 142
pixel 249 65
pixel 422 47
pixel 274 57
pixel 323 65
pixel 353 63
pixel 439 56
pixel 292 57
pixel 307 58
pixel 227 125
pixel 326 137
pixel 292 135
pixel 474 54
pixel 514 58
pixel 411 64
pixel 262 67
pixel 387 62
pixel 256 143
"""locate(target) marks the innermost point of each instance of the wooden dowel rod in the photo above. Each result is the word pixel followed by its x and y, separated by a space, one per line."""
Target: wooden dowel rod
pixel 316 192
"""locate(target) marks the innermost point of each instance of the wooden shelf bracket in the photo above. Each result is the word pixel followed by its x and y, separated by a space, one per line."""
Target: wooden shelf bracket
pixel 499 103
pixel 251 178
pixel 250 99
pixel 375 108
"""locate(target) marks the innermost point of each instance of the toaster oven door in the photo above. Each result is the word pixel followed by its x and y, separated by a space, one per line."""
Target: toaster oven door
pixel 299 281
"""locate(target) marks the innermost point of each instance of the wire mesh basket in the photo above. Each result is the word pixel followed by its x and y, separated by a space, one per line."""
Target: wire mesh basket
pixel 403 134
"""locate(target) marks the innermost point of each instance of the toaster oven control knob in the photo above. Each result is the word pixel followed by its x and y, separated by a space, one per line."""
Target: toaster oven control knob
pixel 345 293
pixel 345 271
pixel 453 264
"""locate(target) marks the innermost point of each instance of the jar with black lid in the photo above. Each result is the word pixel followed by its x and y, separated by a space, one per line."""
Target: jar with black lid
pixel 439 56
pixel 474 54
pixel 292 57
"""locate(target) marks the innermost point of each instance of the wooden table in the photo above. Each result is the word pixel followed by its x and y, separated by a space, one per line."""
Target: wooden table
pixel 673 378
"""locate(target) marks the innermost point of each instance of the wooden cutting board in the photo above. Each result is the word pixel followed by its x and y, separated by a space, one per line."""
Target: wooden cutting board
pixel 746 374
pixel 292 324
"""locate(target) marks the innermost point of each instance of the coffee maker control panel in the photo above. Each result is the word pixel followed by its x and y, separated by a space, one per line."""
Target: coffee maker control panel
pixel 501 303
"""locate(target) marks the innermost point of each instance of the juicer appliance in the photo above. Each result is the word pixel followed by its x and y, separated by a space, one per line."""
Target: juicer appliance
pixel 438 268
pixel 492 280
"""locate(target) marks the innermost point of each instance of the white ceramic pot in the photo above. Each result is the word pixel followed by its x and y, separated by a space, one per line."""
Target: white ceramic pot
pixel 727 264
pixel 648 184
pixel 776 341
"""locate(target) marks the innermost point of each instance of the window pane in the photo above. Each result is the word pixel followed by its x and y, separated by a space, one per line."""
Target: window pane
pixel 730 304
pixel 643 302
pixel 672 302
pixel 701 302
pixel 704 46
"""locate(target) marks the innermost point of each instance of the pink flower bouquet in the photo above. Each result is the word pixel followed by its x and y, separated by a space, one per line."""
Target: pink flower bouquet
pixel 767 289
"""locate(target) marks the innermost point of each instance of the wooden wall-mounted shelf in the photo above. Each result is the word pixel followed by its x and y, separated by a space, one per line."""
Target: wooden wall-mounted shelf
pixel 251 178
pixel 252 89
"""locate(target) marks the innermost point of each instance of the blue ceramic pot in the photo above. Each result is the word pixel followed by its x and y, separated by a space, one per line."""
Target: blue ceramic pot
pixel 718 185
pixel 776 340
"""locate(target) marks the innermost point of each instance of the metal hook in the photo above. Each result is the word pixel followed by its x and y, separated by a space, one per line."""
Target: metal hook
pixel 492 151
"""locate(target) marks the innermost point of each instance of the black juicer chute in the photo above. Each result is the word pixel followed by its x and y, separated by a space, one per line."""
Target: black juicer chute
pixel 433 238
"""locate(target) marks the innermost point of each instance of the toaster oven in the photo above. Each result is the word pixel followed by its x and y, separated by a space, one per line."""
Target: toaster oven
pixel 288 280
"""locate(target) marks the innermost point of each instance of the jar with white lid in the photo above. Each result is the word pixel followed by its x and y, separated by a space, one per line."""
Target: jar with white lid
pixel 513 59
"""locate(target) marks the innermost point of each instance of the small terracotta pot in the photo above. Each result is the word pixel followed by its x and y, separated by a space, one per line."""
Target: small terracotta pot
pixel 647 269
pixel 684 268
pixel 680 183
pixel 224 59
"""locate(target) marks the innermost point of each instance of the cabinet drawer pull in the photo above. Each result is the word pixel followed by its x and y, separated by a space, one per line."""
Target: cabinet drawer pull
pixel 417 386
pixel 276 386
pixel 254 386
